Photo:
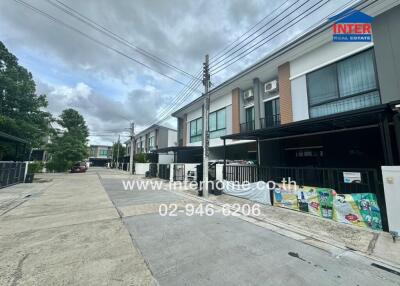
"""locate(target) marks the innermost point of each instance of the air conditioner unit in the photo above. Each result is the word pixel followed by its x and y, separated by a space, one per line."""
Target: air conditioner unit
pixel 271 86
pixel 248 94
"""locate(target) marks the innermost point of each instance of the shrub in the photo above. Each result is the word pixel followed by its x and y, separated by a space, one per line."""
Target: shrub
pixel 35 167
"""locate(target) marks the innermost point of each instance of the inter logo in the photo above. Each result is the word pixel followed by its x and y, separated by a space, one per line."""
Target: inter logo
pixel 352 26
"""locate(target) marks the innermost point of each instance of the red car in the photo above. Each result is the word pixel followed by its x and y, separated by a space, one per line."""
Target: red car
pixel 79 168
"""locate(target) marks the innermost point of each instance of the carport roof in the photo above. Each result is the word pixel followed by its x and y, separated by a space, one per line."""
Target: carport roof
pixel 11 138
pixel 347 120
pixel 177 148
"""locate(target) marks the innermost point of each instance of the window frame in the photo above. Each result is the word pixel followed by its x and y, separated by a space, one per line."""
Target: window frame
pixel 197 134
pixel 216 120
pixel 335 64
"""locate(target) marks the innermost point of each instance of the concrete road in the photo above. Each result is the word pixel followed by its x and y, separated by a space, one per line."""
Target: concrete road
pixel 226 250
pixel 85 229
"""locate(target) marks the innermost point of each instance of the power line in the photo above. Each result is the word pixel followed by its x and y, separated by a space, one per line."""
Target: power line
pixel 263 42
pixel 219 54
pixel 296 9
pixel 94 40
pixel 79 16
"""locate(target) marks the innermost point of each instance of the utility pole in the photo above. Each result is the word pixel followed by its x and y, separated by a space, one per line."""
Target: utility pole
pixel 206 135
pixel 131 152
pixel 118 152
pixel 112 155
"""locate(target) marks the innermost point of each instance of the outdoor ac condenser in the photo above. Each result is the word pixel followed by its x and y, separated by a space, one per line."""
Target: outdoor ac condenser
pixel 248 94
pixel 271 86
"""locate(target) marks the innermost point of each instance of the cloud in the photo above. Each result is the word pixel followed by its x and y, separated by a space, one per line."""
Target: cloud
pixel 108 88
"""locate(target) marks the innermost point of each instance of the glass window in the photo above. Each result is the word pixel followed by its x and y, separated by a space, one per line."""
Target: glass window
pixel 250 114
pixel 346 85
pixel 322 85
pixel 217 123
pixel 196 130
pixel 357 74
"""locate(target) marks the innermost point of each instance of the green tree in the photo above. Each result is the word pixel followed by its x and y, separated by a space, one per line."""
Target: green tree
pixel 122 152
pixel 21 109
pixel 68 144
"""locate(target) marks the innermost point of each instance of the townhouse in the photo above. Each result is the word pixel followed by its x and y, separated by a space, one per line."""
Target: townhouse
pixel 100 155
pixel 152 139
pixel 313 102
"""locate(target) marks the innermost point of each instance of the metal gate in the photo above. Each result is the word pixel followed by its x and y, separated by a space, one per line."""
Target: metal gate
pixel 153 169
pixel 179 172
pixel 11 173
pixel 164 171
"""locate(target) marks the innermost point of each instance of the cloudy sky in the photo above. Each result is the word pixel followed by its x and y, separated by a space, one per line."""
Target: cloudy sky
pixel 110 89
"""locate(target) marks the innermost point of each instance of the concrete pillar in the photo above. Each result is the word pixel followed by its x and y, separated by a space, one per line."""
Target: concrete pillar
pixel 256 91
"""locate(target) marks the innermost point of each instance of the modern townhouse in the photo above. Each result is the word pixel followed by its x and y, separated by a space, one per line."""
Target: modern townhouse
pixel 153 138
pixel 99 155
pixel 312 103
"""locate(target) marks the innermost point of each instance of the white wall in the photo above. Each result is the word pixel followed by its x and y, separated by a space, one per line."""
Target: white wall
pixel 172 138
pixel 324 55
pixel 391 183
pixel 216 104
pixel 299 98
pixel 165 158
pixel 141 168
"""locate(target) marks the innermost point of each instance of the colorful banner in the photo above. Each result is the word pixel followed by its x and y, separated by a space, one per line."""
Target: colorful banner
pixel 357 209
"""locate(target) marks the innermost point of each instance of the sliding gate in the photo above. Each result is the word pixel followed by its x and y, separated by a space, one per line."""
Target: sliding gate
pixel 11 173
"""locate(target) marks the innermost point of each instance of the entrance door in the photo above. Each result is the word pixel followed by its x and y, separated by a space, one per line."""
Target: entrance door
pixel 250 118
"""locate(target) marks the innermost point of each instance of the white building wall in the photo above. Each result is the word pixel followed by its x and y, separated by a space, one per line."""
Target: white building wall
pixel 325 55
pixel 299 98
pixel 216 104
pixel 172 138
pixel 322 56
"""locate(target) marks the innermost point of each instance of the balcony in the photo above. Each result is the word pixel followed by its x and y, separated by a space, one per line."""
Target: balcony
pixel 247 126
pixel 270 121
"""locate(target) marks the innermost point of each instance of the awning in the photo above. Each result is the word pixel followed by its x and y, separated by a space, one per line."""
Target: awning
pixel 10 138
pixel 361 118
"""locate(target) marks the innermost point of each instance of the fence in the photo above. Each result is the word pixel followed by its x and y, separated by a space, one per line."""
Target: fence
pixel 12 173
pixel 164 171
pixel 320 177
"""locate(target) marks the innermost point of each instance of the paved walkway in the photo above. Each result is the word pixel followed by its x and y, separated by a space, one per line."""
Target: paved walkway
pixel 65 232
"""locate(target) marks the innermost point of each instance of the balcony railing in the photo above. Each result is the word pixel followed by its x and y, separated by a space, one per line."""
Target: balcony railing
pixel 270 121
pixel 247 126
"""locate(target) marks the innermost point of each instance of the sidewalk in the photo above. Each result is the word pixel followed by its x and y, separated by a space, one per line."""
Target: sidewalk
pixel 373 244
pixel 66 232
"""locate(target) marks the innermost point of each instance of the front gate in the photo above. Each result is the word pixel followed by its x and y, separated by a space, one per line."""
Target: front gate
pixel 164 171
pixel 179 172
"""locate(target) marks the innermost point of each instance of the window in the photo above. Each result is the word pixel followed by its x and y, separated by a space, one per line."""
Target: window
pixel 103 152
pixel 346 85
pixel 151 143
pixel 272 113
pixel 249 125
pixel 217 123
pixel 196 130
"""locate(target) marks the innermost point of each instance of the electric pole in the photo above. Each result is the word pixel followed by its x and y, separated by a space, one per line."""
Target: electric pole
pixel 118 152
pixel 112 155
pixel 206 135
pixel 131 149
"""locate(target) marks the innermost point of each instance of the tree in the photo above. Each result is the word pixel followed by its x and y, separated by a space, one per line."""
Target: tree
pixel 21 109
pixel 122 152
pixel 68 145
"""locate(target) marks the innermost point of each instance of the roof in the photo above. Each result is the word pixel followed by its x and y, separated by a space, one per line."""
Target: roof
pixel 153 127
pixel 309 34
pixel 11 138
pixel 366 117
pixel 351 16
pixel 177 148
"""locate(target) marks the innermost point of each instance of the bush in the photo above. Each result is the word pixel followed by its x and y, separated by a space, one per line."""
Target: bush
pixel 140 158
pixel 35 167
pixel 58 166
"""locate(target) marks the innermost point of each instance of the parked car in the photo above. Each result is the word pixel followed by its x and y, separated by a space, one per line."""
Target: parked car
pixel 79 167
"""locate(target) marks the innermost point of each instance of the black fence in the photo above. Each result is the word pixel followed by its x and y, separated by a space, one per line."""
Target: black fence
pixel 11 173
pixel 369 181
pixel 153 169
pixel 164 171
pixel 333 178
pixel 247 126
pixel 179 172
pixel 270 121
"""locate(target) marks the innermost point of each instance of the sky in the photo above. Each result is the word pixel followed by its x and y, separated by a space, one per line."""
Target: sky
pixel 110 89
